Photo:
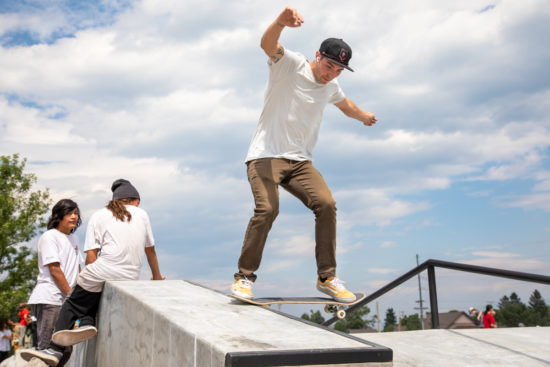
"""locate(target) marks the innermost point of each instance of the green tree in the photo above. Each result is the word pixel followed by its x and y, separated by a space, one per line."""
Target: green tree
pixel 540 309
pixel 390 321
pixel 512 312
pixel 21 215
pixel 537 311
pixel 354 320
pixel 411 322
pixel 315 317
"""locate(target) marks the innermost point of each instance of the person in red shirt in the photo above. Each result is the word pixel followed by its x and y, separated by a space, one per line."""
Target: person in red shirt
pixel 489 318
pixel 23 317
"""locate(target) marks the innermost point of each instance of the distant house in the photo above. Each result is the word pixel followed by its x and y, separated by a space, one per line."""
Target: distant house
pixel 451 320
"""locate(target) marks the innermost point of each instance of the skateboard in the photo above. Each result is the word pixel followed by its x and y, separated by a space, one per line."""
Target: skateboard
pixel 338 309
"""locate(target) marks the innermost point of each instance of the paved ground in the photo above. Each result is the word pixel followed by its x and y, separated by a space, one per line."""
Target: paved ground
pixel 467 347
pixel 17 361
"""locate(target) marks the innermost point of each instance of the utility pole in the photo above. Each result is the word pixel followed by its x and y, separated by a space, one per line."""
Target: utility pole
pixel 420 302
pixel 377 316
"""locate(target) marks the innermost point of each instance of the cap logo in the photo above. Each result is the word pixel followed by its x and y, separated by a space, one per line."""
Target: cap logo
pixel 343 55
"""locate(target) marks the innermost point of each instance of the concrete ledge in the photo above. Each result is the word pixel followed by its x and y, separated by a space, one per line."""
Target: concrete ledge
pixel 177 323
pixel 502 347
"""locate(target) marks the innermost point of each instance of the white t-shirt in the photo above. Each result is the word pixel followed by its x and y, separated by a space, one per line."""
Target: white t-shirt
pixel 55 247
pixel 121 246
pixel 293 109
pixel 5 343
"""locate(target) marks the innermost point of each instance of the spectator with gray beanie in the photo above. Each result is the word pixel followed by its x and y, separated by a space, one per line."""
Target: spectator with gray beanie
pixel 116 239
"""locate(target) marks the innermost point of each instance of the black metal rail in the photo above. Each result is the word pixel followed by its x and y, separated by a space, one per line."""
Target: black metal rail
pixel 430 266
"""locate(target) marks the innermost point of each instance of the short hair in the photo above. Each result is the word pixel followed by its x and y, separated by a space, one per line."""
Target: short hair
pixel 61 209
pixel 488 308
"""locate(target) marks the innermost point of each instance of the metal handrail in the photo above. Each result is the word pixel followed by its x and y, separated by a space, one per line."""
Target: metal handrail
pixel 430 266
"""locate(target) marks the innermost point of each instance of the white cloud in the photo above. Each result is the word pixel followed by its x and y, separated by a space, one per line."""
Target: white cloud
pixel 367 207
pixel 495 254
pixel 532 201
pixel 381 270
pixel 509 261
pixel 344 247
pixel 33 127
pixel 377 284
pixel 279 266
pixel 168 94
pixel 544 181
pixel 294 245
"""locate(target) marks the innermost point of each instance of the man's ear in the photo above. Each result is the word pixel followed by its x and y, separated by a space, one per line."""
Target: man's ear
pixel 317 56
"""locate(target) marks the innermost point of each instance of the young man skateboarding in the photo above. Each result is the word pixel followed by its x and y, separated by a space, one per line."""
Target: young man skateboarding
pixel 116 238
pixel 281 150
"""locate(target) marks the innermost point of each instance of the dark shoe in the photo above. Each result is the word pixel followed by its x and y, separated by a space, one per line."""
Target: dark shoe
pixel 50 356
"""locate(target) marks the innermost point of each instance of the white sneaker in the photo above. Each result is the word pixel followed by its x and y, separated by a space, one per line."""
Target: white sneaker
pixel 242 288
pixel 334 287
pixel 67 338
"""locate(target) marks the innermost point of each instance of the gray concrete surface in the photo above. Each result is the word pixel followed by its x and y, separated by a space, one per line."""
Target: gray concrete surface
pixel 176 323
pixel 467 347
pixel 17 361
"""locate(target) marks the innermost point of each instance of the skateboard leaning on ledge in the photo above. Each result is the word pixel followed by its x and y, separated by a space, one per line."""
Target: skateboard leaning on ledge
pixel 338 309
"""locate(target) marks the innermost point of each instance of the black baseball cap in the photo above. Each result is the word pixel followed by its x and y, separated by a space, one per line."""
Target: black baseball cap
pixel 337 51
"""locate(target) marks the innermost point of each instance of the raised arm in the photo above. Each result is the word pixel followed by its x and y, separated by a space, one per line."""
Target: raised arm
pixel 270 40
pixel 350 109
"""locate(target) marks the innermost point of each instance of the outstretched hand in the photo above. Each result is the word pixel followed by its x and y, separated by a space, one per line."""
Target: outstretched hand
pixel 369 119
pixel 290 18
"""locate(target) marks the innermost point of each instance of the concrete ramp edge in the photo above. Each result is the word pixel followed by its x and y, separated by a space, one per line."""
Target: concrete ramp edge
pixel 178 323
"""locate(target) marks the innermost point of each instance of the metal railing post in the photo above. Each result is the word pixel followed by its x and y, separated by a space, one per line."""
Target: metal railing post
pixel 433 297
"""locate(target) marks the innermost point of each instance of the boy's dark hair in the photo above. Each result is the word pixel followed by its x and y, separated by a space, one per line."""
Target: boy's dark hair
pixel 488 308
pixel 3 323
pixel 61 209
pixel 118 208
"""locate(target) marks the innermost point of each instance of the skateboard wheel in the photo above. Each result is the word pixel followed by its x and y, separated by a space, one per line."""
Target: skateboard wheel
pixel 340 314
pixel 330 308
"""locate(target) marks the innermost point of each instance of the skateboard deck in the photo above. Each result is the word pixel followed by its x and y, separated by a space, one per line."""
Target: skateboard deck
pixel 331 305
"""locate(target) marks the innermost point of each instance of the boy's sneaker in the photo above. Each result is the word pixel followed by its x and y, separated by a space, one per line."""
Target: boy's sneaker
pixel 334 287
pixel 67 338
pixel 242 288
pixel 49 356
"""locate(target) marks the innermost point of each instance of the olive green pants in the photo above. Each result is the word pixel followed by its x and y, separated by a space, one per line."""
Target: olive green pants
pixel 303 181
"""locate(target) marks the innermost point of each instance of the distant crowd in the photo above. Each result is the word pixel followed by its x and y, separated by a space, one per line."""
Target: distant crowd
pixel 16 334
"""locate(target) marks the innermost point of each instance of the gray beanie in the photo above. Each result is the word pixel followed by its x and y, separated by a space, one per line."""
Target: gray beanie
pixel 123 189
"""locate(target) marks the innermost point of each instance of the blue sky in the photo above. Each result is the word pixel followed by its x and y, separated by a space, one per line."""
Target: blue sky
pixel 167 94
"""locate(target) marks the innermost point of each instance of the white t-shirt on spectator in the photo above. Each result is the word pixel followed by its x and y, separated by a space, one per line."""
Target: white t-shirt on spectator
pixel 5 343
pixel 121 245
pixel 55 247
